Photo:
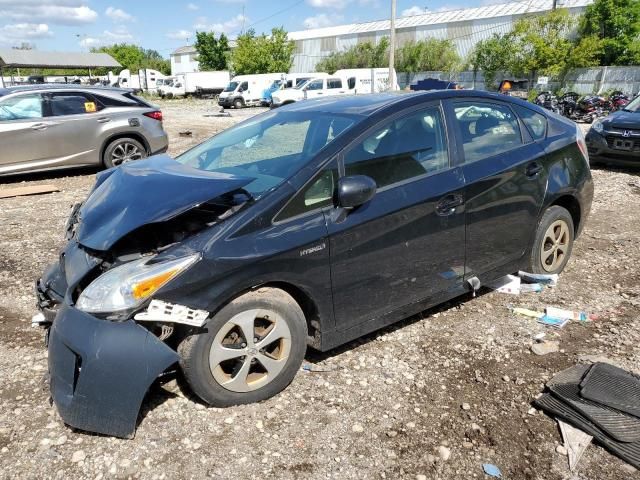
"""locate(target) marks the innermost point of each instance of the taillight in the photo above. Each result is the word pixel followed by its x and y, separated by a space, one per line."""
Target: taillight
pixel 156 115
pixel 582 144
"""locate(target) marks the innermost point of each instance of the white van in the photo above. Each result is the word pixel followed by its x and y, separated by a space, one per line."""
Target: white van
pixel 368 80
pixel 246 90
pixel 291 80
pixel 314 88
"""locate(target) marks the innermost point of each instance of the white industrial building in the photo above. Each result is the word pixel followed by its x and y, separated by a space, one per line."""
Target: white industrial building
pixel 184 60
pixel 464 27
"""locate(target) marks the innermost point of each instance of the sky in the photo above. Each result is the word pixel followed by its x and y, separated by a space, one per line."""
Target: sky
pixel 78 25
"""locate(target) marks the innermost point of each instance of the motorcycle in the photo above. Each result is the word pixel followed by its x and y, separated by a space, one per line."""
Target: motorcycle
pixel 586 109
pixel 618 100
pixel 548 100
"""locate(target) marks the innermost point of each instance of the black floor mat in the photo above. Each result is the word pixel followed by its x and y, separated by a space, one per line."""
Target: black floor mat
pixel 613 387
pixel 616 424
pixel 629 452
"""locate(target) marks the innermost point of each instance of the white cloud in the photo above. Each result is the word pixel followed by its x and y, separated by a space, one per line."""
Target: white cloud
pixel 62 12
pixel 107 37
pixel 415 10
pixel 322 20
pixel 88 42
pixel 230 26
pixel 118 15
pixel 179 35
pixel 17 33
pixel 193 7
pixel 333 4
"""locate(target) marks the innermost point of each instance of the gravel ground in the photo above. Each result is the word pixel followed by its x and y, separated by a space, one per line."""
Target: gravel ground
pixel 435 396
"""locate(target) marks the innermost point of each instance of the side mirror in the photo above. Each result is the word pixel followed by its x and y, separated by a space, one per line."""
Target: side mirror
pixel 355 190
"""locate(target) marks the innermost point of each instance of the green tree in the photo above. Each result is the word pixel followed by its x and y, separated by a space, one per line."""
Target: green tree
pixel 134 58
pixel 491 56
pixel 262 54
pixel 428 55
pixel 617 24
pixel 213 53
pixel 362 55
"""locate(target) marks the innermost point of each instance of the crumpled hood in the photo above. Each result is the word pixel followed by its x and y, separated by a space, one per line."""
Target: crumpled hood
pixel 623 120
pixel 146 191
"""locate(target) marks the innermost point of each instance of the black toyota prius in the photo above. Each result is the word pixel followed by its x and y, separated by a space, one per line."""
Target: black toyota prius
pixel 309 225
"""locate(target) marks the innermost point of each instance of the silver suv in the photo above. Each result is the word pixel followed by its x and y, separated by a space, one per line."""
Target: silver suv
pixel 52 126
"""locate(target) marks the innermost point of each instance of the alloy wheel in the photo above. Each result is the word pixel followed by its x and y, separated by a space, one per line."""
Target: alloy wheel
pixel 250 350
pixel 125 152
pixel 555 245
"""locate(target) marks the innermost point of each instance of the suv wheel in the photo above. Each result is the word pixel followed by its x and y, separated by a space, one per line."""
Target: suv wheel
pixel 238 103
pixel 553 243
pixel 123 150
pixel 251 350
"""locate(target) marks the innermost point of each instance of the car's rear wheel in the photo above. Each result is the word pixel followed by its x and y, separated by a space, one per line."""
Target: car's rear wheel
pixel 554 241
pixel 251 350
pixel 123 150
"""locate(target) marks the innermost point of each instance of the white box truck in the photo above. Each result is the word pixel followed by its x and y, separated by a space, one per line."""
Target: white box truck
pixel 247 90
pixel 198 84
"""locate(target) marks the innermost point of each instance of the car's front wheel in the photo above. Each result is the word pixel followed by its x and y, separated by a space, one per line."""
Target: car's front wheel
pixel 251 349
pixel 238 103
pixel 123 150
pixel 553 243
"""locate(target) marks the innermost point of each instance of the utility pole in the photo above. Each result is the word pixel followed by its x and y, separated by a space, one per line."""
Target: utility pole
pixel 392 46
pixel 555 4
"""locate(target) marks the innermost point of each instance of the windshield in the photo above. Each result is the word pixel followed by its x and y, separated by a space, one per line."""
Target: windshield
pixel 270 147
pixel 231 87
pixel 634 105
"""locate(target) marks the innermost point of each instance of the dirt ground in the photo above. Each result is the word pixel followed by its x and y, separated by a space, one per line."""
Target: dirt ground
pixel 386 406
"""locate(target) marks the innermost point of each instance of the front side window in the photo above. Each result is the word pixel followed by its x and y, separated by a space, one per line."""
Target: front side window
pixel 22 107
pixel 402 149
pixel 71 103
pixel 315 85
pixel 244 86
pixel 269 148
pixel 486 129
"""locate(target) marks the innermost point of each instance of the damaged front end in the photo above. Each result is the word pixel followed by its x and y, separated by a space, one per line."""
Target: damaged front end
pixel 108 337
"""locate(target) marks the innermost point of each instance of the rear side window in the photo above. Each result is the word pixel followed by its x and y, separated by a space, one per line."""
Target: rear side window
pixel 72 103
pixel 21 107
pixel 536 123
pixel 486 129
pixel 334 83
pixel 351 83
pixel 116 102
pixel 405 148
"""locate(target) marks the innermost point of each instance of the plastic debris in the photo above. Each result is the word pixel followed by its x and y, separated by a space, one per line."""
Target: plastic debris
pixel 531 287
pixel 569 314
pixel 545 279
pixel 575 441
pixel 310 367
pixel 491 470
pixel 526 312
pixel 550 321
pixel 507 284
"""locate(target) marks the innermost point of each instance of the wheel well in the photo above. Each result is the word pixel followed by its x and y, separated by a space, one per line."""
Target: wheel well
pixel 305 302
pixel 134 135
pixel 288 102
pixel 572 205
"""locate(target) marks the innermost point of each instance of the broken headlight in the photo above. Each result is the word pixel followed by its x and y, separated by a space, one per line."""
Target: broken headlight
pixel 128 286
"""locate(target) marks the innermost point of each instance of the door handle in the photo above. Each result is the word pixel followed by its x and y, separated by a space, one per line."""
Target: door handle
pixel 533 169
pixel 447 205
pixel 103 120
pixel 39 126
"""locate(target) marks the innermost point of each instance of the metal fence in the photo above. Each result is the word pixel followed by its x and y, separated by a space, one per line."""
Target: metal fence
pixel 580 80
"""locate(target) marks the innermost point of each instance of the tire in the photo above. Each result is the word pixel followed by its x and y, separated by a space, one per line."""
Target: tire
pixel 123 150
pixel 238 103
pixel 553 243
pixel 222 383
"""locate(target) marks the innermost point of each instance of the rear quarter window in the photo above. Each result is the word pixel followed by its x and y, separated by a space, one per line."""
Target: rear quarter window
pixel 536 122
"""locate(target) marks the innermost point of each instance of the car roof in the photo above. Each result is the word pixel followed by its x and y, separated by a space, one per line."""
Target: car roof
pixel 61 86
pixel 367 104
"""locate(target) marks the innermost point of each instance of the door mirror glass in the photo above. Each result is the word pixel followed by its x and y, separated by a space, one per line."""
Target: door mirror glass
pixel 355 190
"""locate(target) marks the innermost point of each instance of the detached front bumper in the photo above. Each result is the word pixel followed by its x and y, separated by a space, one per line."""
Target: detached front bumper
pixel 613 148
pixel 101 370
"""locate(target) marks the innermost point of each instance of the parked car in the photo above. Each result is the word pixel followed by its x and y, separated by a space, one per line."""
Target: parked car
pixel 312 224
pixel 53 126
pixel 290 80
pixel 312 88
pixel 616 137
